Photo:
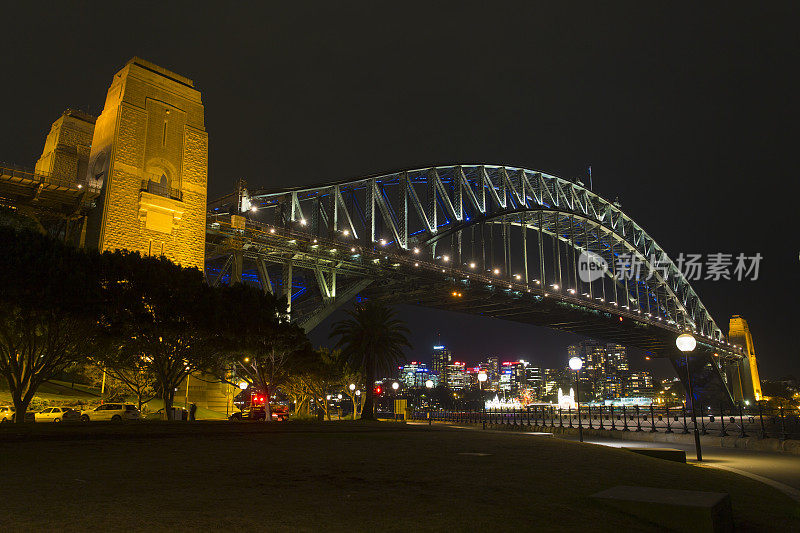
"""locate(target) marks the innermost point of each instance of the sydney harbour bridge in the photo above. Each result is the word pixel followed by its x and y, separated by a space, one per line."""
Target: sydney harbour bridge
pixel 492 240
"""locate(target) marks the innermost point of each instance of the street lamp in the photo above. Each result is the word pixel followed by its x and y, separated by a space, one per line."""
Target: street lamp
pixel 686 343
pixel 482 377
pixel 575 364
pixel 243 385
pixel 395 386
pixel 429 385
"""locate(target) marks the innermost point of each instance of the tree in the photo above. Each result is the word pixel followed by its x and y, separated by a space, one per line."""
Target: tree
pixel 131 372
pixel 49 298
pixel 161 320
pixel 262 345
pixel 372 340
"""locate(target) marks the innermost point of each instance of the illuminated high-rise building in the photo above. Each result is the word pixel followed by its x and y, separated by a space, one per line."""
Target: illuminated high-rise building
pixel 605 367
pixel 415 374
pixel 639 384
pixel 457 376
pixel 441 359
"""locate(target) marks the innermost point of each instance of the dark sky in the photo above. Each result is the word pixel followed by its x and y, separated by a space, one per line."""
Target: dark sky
pixel 689 115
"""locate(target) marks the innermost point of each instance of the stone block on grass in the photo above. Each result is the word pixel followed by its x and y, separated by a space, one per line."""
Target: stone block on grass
pixel 678 510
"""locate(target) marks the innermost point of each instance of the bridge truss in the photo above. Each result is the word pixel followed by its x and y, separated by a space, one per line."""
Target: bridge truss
pixel 492 240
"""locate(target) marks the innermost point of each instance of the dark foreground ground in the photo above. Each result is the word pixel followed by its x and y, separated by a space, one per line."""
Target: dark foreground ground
pixel 336 476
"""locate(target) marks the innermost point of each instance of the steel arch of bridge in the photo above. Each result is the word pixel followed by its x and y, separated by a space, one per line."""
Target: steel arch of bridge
pixel 438 211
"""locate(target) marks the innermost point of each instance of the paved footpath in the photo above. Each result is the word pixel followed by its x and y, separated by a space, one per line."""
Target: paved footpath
pixel 781 471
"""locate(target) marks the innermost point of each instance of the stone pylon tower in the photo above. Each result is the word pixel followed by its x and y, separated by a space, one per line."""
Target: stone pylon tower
pixel 746 384
pixel 150 157
pixel 67 148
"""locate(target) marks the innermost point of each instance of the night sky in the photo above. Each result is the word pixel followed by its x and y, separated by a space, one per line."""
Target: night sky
pixel 689 116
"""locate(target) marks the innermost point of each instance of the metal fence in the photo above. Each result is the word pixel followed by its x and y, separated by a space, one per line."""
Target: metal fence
pixel 756 421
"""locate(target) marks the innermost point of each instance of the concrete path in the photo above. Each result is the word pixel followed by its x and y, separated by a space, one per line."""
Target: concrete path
pixel 781 471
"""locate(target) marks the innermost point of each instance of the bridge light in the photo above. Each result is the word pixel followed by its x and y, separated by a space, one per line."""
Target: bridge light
pixel 517 276
pixel 272 230
pixel 446 258
pixel 80 186
pixel 472 265
pixel 571 291
pixel 555 286
pixel 353 249
pixel 442 270
pixel 346 232
pixel 383 242
pixel 315 241
pixel 416 264
pixel 302 222
pixel 253 209
pixel 416 250
pixel 538 282
pixel 496 271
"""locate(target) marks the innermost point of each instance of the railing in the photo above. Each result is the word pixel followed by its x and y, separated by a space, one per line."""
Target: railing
pixel 26 175
pixel 154 187
pixel 754 421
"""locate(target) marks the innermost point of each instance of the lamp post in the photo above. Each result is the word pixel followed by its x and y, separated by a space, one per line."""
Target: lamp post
pixel 395 386
pixel 352 388
pixel 429 386
pixel 687 343
pixel 575 364
pixel 482 377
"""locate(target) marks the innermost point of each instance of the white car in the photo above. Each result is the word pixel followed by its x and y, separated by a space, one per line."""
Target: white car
pixel 6 413
pixel 56 414
pixel 113 412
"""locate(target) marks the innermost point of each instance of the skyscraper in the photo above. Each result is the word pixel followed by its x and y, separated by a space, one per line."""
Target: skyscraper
pixel 441 359
pixel 534 380
pixel 605 367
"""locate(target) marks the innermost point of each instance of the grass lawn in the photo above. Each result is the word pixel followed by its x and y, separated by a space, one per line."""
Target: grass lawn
pixel 335 476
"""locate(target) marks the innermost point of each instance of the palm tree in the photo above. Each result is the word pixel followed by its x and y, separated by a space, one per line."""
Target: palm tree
pixel 372 339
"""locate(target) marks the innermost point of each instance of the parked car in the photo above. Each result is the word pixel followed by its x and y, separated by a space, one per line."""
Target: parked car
pixel 57 414
pixel 114 412
pixel 257 412
pixel 6 413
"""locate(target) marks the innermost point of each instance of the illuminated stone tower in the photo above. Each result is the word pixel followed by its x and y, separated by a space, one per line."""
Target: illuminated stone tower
pixel 67 148
pixel 746 383
pixel 150 157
